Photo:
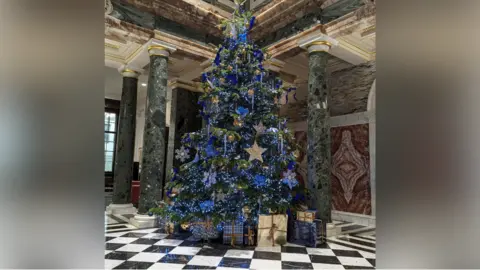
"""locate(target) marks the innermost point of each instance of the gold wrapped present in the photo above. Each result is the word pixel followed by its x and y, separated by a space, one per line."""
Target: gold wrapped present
pixel 272 229
pixel 248 237
pixel 307 216
pixel 169 228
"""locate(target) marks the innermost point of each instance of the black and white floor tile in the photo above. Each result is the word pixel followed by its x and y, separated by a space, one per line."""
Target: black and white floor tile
pixel 130 248
pixel 149 249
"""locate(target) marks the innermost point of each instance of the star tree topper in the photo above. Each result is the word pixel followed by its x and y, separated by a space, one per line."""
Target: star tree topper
pixel 255 152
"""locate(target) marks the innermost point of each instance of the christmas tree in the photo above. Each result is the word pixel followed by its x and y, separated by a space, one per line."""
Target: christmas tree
pixel 244 156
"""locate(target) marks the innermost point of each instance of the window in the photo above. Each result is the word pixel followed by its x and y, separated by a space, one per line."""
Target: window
pixel 110 136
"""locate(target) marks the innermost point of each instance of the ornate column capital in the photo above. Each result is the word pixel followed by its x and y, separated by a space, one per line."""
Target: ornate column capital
pixel 130 72
pixel 317 42
pixel 160 48
pixel 108 7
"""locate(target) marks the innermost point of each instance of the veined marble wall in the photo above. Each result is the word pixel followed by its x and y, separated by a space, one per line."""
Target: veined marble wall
pixel 350 176
pixel 352 189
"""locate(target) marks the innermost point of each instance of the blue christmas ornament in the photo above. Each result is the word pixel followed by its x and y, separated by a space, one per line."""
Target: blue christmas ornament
pixel 242 37
pixel 206 206
pixel 291 165
pixel 278 84
pixel 258 54
pixel 242 111
pixel 252 23
pixel 196 159
pixel 217 58
pixel 299 197
pixel 260 181
pixel 210 149
pixel 233 44
pixel 232 78
pixel 175 171
pixel 204 77
pixel 294 94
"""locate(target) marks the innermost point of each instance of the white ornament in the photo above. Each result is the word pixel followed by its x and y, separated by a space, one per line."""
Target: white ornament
pixel 182 154
pixel 290 175
pixel 290 178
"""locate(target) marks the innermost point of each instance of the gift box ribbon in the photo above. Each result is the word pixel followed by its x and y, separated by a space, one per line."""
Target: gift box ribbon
pixel 273 229
pixel 233 235
pixel 250 236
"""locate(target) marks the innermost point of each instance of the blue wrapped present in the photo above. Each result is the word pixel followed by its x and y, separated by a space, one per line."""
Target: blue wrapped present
pixel 290 227
pixel 203 230
pixel 233 233
pixel 305 233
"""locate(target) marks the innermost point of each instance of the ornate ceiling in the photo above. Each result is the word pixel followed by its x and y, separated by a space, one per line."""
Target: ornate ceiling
pixel 191 26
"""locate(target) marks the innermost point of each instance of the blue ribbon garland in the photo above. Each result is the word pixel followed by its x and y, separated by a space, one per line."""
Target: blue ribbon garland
pixel 294 94
pixel 217 58
pixel 252 23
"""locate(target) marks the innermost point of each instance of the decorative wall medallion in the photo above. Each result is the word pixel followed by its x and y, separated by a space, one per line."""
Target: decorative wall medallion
pixel 348 165
pixel 351 169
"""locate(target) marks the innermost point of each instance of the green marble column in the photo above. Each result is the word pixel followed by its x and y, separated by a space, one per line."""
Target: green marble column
pixel 153 156
pixel 318 153
pixel 123 170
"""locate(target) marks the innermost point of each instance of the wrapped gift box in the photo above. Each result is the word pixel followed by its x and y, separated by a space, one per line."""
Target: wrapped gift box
pixel 305 233
pixel 233 233
pixel 307 216
pixel 272 229
pixel 204 230
pixel 165 225
pixel 249 235
pixel 290 228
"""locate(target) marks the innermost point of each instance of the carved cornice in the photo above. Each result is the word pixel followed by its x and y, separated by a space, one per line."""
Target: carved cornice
pixel 188 85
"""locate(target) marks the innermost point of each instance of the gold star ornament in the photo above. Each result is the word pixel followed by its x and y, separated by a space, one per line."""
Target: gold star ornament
pixel 260 128
pixel 255 152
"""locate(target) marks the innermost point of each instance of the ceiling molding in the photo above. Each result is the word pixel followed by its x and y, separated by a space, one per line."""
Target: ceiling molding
pixel 187 85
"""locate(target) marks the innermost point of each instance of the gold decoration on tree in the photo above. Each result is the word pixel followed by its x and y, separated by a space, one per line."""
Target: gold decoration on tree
pixel 185 226
pixel 231 138
pixel 237 123
pixel 258 72
pixel 230 68
pixel 214 99
pixel 251 92
pixel 255 152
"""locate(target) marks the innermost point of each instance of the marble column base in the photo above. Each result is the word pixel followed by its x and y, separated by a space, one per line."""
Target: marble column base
pixel 333 230
pixel 121 209
pixel 143 221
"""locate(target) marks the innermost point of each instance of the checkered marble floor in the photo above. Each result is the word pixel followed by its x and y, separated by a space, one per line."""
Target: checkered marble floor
pixel 149 249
